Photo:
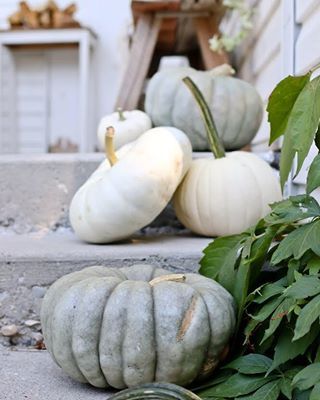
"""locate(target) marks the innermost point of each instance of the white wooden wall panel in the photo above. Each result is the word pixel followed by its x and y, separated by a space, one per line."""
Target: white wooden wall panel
pixel 304 8
pixel 308 43
pixel 268 44
pixel 112 22
pixel 64 96
pixel 269 76
pixel 264 12
pixel 31 101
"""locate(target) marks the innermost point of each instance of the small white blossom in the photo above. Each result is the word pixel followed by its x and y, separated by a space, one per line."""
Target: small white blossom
pixel 226 42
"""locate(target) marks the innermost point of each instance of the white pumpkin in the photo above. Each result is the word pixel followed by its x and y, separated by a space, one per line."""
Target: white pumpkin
pixel 129 125
pixel 227 194
pixel 125 195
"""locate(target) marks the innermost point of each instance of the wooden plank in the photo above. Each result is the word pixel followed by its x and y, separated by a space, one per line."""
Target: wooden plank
pixel 205 29
pixel 143 45
pixel 144 6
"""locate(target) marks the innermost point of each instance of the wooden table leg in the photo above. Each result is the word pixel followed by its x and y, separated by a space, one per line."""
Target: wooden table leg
pixel 205 29
pixel 142 49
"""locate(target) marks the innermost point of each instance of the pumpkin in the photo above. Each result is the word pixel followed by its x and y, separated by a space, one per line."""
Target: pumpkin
pixel 235 104
pixel 129 125
pixel 122 327
pixel 227 194
pixel 126 194
pixel 158 391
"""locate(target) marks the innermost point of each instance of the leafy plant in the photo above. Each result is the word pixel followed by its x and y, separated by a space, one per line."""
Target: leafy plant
pixel 273 271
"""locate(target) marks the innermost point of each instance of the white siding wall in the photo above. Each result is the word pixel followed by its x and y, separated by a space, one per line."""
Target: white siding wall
pixel 112 23
pixel 280 45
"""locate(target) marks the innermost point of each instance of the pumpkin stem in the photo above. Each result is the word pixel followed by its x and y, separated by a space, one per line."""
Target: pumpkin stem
pixel 222 70
pixel 121 115
pixel 212 133
pixel 109 148
pixel 168 278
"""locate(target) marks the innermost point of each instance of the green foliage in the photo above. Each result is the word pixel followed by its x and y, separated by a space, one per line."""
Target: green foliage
pixel 294 112
pixel 313 179
pixel 273 271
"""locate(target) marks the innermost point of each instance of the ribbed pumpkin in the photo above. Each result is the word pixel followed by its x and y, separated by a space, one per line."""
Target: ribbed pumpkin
pixel 235 104
pixel 128 326
pixel 226 194
pixel 124 195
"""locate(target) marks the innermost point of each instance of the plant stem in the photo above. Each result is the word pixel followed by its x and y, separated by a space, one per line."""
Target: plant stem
pixel 312 70
pixel 121 115
pixel 109 148
pixel 212 133
pixel 168 278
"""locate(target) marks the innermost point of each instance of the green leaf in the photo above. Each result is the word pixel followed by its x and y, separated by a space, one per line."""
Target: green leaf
pixel 220 259
pixel 307 377
pixel 250 364
pixel 298 395
pixel 306 286
pixel 268 291
pixel 286 160
pixel 286 388
pixel 277 317
pixel 313 178
pixel 293 209
pixel 298 242
pixel 281 102
pixel 219 377
pixel 293 269
pixel 317 138
pixel 237 385
pixel 250 327
pixel 267 309
pixel 270 391
pixel 301 128
pixel 286 349
pixel 308 315
pixel 241 290
pixel 313 265
pixel 315 394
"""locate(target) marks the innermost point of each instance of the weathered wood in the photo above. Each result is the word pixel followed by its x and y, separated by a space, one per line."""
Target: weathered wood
pixel 196 5
pixel 48 16
pixel 143 44
pixel 146 6
pixel 205 29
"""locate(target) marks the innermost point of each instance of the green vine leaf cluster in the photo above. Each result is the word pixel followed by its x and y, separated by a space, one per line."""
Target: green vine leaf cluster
pixel 273 271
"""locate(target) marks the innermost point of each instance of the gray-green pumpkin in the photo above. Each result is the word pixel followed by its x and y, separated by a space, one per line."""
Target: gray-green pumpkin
pixel 236 105
pixel 128 326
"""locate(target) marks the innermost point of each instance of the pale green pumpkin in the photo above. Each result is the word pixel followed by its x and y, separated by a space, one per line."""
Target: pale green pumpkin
pixel 236 105
pixel 128 326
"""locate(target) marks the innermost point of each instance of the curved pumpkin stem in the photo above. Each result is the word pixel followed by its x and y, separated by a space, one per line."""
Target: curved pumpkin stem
pixel 222 70
pixel 109 148
pixel 168 278
pixel 212 133
pixel 121 115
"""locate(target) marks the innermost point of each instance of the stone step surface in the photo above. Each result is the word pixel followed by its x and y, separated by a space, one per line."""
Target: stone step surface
pixel 32 375
pixel 30 263
pixel 39 189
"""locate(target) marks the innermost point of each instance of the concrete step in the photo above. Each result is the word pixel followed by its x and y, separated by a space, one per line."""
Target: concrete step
pixel 39 189
pixel 30 263
pixel 32 375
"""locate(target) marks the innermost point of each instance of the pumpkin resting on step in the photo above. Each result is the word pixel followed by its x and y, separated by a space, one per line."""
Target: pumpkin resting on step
pixel 236 105
pixel 122 327
pixel 129 125
pixel 130 189
pixel 225 194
